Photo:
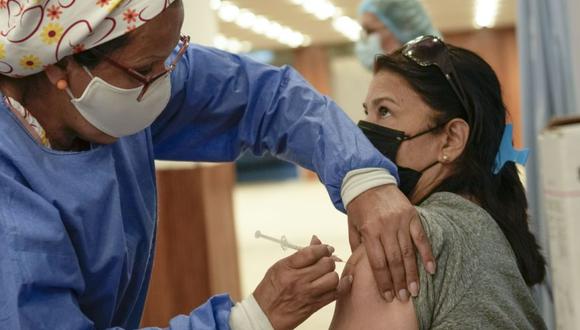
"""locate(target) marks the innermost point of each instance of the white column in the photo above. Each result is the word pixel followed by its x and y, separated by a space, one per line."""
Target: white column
pixel 573 10
pixel 200 21
pixel 201 25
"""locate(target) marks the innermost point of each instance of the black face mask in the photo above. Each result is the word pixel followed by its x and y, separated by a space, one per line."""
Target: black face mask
pixel 388 141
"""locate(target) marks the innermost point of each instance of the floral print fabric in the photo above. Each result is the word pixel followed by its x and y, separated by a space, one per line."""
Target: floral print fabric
pixel 36 33
pixel 28 120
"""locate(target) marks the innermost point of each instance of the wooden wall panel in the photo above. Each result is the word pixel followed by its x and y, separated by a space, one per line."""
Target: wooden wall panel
pixel 196 254
pixel 499 48
pixel 314 64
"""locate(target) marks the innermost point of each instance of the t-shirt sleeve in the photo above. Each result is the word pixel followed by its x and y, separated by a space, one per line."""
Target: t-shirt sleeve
pixel 440 293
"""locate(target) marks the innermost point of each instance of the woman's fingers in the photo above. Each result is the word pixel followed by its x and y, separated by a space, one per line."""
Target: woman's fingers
pixel 344 285
pixel 354 236
pixel 422 244
pixel 324 300
pixel 299 285
pixel 410 262
pixel 326 284
pixel 309 255
pixel 315 240
pixel 391 248
pixel 378 216
pixel 323 266
pixel 381 272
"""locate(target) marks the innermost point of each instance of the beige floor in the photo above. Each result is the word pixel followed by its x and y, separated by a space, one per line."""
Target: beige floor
pixel 295 209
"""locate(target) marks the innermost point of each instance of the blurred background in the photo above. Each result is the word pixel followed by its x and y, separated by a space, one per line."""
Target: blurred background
pixel 209 213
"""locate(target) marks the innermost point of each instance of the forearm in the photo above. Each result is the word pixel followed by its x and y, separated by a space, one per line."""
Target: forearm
pixel 249 105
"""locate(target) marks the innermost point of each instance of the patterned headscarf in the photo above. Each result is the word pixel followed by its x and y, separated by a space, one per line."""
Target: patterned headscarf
pixel 36 33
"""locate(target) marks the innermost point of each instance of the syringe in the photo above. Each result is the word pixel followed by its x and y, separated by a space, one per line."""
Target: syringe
pixel 285 244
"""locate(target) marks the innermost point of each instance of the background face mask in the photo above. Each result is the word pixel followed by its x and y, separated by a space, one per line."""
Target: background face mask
pixel 116 111
pixel 366 50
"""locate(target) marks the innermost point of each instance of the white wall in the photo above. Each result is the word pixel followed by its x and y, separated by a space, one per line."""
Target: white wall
pixel 200 21
pixel 201 25
pixel 573 10
pixel 350 81
pixel 296 209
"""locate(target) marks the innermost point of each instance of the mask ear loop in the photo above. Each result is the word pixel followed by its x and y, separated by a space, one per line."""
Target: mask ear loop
pixel 429 166
pixel 425 132
pixel 88 72
pixel 69 92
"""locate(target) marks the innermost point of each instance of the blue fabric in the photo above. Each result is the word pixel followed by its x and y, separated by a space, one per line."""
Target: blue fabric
pixel 406 19
pixel 214 314
pixel 77 228
pixel 233 104
pixel 507 152
pixel 548 90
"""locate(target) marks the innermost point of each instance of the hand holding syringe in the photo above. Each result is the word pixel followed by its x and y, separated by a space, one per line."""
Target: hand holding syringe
pixel 285 244
pixel 300 283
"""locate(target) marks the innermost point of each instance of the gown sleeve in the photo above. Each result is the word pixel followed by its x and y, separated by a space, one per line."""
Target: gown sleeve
pixel 40 275
pixel 223 104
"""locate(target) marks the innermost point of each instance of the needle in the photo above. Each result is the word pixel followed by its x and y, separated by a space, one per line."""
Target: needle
pixel 285 244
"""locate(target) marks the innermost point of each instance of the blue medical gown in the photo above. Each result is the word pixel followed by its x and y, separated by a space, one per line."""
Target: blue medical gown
pixel 77 229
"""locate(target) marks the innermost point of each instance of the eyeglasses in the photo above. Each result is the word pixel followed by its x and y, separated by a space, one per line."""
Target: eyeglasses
pixel 148 80
pixel 431 50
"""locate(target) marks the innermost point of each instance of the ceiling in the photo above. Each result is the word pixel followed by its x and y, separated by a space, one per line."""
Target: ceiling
pixel 447 15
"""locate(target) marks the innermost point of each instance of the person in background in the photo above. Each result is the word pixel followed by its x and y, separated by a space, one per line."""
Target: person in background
pixel 388 24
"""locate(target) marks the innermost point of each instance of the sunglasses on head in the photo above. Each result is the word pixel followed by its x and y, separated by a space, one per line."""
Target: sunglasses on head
pixel 432 51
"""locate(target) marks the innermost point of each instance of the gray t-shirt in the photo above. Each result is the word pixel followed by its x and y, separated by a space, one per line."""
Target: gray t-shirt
pixel 477 284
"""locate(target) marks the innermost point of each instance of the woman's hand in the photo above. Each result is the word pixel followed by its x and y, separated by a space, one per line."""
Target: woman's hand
pixel 388 225
pixel 299 285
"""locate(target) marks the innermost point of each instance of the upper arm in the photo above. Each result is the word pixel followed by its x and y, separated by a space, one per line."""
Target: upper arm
pixel 363 307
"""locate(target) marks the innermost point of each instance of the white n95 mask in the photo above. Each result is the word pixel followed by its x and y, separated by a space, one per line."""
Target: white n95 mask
pixel 116 111
pixel 366 49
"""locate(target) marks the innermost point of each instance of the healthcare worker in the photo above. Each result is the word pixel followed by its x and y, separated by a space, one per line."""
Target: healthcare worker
pixel 389 24
pixel 91 93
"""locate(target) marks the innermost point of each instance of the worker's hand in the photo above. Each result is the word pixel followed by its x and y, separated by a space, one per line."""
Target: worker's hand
pixel 299 285
pixel 387 224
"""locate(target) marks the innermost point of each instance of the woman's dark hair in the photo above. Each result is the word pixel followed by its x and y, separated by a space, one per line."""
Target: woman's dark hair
pixel 502 195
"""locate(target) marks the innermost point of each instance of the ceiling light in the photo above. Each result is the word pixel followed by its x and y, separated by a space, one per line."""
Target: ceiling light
pixel 321 9
pixel 324 10
pixel 228 12
pixel 215 4
pixel 486 13
pixel 261 25
pixel 348 27
pixel 246 19
pixel 274 30
pixel 231 45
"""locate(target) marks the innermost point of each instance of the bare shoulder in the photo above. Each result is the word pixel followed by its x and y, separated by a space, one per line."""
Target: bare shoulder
pixel 363 307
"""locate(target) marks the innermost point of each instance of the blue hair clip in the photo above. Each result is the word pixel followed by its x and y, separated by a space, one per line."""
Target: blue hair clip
pixel 507 153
